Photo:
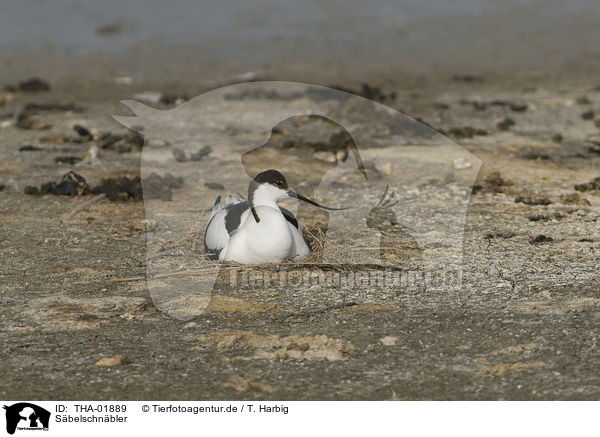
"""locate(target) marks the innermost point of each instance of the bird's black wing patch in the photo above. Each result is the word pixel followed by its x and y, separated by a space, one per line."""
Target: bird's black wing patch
pixel 289 216
pixel 234 216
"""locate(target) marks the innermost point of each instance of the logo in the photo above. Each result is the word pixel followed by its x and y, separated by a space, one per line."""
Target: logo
pixel 26 416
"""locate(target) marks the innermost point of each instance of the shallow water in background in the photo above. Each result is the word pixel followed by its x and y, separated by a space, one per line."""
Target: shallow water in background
pixel 411 35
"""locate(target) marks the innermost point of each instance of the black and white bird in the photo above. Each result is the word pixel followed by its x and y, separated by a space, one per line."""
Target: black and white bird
pixel 258 230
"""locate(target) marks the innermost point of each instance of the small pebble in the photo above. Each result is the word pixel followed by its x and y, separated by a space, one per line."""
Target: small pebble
pixel 109 362
pixel 123 80
pixel 325 156
pixel 388 340
pixel 461 163
pixel 148 97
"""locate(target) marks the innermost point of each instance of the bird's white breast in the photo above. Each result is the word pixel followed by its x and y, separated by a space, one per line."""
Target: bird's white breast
pixel 268 241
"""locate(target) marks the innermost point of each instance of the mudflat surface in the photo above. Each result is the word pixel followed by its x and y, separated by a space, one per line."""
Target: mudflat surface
pixel 78 319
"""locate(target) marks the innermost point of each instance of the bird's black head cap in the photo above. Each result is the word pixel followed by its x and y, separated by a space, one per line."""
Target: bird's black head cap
pixel 272 177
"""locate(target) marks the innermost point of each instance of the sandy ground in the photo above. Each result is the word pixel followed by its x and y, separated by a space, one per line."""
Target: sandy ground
pixel 80 322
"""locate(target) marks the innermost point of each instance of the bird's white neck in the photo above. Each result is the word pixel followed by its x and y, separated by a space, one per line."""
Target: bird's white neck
pixel 267 195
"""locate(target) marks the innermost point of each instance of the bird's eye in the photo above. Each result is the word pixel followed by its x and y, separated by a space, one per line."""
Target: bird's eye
pixel 279 183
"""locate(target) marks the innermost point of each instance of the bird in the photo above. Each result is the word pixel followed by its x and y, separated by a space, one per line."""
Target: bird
pixel 257 230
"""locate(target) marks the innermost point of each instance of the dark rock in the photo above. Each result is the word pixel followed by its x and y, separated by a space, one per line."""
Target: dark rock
pixel 441 106
pixel 515 107
pixel 182 156
pixel 493 183
pixel 557 138
pixel 109 29
pixel 594 148
pixel 499 234
pixel 541 238
pixel 593 185
pixel 133 188
pixel 467 78
pixel 48 188
pixel 583 100
pixel 586 240
pixel 588 115
pixel 71 184
pixel 268 94
pixel 466 132
pixel 82 131
pixel 62 139
pixel 368 91
pixel 533 200
pixel 67 159
pixel 375 93
pixel 496 180
pixel 31 190
pixel 52 107
pixel 30 148
pixel 518 107
pixel 480 106
pixel 574 198
pixel 477 188
pixel 505 124
pixel 157 187
pixel 34 85
pixel 122 188
pixel 201 154
pixel 172 181
pixel 108 139
pixel 214 185
pixel 173 99
pixel 126 143
pixel 538 218
pixel 423 121
pixel 2 186
pixel 136 140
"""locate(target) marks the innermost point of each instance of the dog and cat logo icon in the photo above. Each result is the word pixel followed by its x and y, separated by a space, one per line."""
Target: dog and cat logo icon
pixel 26 416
